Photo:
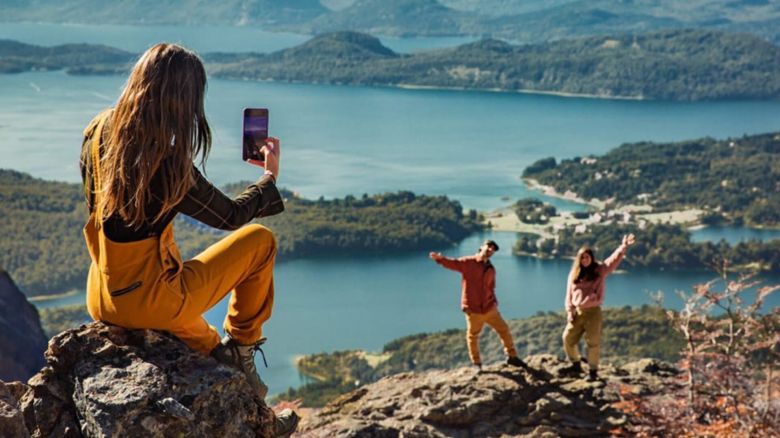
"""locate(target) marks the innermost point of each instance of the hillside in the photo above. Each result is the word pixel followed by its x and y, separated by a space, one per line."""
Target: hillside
pixel 517 20
pixel 399 17
pixel 49 255
pixel 16 57
pixel 631 334
pixel 667 65
pixel 191 12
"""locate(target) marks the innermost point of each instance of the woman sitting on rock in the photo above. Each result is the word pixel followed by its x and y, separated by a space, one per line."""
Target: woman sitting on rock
pixel 138 174
pixel 584 296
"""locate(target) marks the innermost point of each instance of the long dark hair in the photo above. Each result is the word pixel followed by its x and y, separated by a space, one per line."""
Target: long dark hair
pixel 158 126
pixel 579 272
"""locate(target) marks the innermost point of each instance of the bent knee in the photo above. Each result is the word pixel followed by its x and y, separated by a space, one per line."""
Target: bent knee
pixel 260 234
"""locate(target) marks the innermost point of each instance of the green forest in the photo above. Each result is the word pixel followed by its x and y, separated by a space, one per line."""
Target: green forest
pixel 657 246
pixel 668 65
pixel 47 254
pixel 735 180
pixel 630 334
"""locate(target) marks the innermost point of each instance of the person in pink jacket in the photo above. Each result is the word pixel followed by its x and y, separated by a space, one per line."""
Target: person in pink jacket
pixel 584 296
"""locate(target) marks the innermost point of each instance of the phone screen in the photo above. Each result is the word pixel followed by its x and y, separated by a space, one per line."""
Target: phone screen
pixel 255 132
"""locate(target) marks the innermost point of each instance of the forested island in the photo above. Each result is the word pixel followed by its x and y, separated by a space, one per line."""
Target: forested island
pixel 47 253
pixel 669 65
pixel 732 181
pixel 661 246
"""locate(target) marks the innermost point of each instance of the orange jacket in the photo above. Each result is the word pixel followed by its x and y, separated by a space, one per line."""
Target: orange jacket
pixel 478 293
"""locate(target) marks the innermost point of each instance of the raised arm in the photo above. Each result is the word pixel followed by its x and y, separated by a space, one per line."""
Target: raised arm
pixel 613 261
pixel 447 262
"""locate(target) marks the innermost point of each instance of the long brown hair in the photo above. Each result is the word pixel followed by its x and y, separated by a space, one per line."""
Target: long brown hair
pixel 579 272
pixel 158 125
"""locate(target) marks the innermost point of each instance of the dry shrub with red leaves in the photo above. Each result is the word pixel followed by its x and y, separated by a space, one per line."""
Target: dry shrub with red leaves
pixel 729 385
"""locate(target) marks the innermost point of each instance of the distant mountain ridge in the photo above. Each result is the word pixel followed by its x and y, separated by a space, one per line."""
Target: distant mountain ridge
pixel 524 21
pixel 666 65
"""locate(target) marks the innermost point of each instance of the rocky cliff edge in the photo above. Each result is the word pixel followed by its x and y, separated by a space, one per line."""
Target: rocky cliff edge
pixel 498 401
pixel 103 380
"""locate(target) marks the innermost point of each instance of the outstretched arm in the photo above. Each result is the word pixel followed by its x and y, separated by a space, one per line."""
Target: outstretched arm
pixel 613 261
pixel 447 262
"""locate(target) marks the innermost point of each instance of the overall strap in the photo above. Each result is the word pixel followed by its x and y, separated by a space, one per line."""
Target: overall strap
pixel 96 136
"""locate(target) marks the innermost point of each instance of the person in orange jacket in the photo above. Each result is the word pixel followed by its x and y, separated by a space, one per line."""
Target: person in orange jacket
pixel 478 300
pixel 138 174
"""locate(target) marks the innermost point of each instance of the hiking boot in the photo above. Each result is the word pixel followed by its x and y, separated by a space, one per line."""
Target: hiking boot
pixel 242 357
pixel 593 375
pixel 286 423
pixel 575 369
pixel 516 362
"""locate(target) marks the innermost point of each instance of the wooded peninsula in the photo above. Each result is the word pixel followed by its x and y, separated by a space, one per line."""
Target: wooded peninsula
pixel 682 65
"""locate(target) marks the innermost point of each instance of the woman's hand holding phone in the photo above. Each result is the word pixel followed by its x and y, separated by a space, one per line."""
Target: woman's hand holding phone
pixel 272 152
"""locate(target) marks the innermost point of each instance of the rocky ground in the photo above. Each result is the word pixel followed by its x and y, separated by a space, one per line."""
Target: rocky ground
pixel 103 381
pixel 498 401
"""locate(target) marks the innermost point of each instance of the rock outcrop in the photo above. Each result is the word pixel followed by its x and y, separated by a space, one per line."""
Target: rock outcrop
pixel 22 341
pixel 103 380
pixel 498 401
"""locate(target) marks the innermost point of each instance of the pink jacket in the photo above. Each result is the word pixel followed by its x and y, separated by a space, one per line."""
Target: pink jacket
pixel 590 293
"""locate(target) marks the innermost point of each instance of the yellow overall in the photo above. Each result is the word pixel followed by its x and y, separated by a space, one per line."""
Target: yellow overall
pixel 145 285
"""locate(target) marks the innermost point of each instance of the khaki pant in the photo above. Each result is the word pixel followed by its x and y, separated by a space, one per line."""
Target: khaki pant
pixel 475 322
pixel 587 322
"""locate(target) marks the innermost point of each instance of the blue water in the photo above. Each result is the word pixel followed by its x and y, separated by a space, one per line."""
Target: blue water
pixel 200 38
pixel 339 140
pixel 323 305
pixel 733 235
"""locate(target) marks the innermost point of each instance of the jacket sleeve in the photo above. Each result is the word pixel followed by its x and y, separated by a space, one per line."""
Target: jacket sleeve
pixel 209 205
pixel 454 264
pixel 568 302
pixel 613 261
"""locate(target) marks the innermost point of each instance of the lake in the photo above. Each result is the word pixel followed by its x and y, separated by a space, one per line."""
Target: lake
pixel 339 140
pixel 199 38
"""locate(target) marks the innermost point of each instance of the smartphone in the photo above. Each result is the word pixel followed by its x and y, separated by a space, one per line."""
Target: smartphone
pixel 255 134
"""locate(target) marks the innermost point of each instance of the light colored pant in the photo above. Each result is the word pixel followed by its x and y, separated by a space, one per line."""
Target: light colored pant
pixel 475 322
pixel 587 322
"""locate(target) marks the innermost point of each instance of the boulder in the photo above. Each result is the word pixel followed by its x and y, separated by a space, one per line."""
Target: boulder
pixel 104 380
pixel 22 341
